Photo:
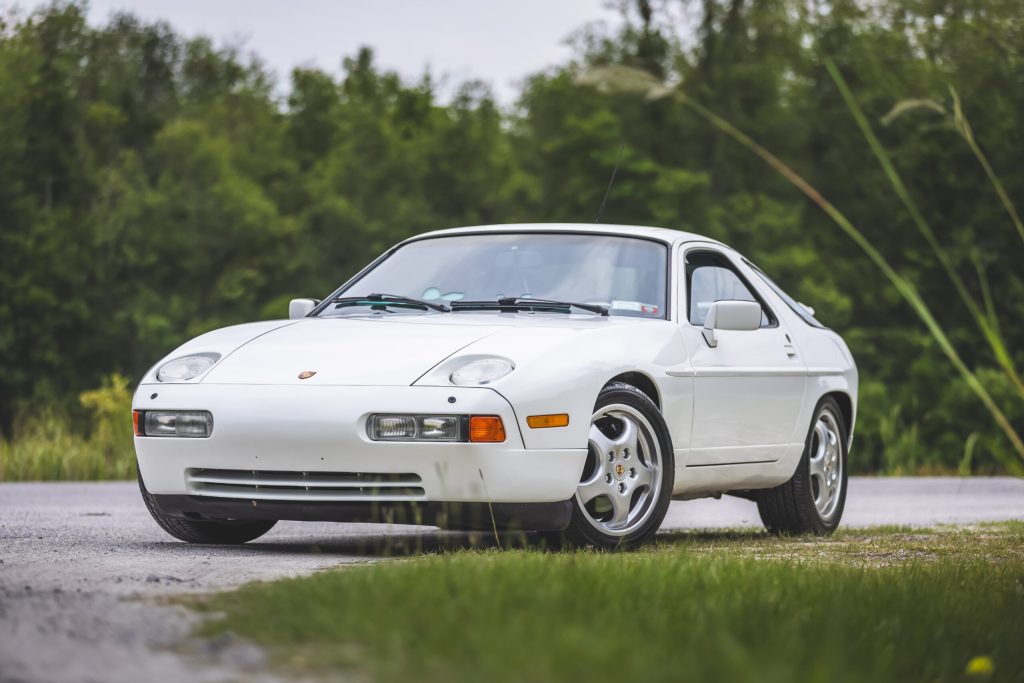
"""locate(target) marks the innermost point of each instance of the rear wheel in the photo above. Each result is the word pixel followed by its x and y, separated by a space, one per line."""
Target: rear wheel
pixel 626 484
pixel 812 501
pixel 227 532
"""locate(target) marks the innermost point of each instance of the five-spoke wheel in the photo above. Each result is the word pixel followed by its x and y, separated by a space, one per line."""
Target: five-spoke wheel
pixel 623 472
pixel 825 464
pixel 626 483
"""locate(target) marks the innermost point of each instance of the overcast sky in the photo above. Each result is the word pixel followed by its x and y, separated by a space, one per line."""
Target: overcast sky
pixel 499 42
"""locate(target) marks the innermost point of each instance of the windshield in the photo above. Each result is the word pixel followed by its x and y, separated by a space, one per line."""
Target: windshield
pixel 624 274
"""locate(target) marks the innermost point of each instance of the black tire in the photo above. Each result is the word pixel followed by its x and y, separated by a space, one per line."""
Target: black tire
pixel 790 508
pixel 581 531
pixel 228 532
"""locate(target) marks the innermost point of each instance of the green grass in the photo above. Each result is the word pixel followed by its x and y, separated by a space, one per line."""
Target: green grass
pixel 892 604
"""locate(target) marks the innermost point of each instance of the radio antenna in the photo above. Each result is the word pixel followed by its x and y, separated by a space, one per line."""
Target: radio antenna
pixel 611 181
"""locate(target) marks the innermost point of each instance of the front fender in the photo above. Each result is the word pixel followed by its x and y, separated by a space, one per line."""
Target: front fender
pixel 563 370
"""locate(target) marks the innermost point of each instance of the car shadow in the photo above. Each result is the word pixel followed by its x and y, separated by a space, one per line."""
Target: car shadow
pixel 400 544
pixel 409 544
pixel 369 543
pixel 363 543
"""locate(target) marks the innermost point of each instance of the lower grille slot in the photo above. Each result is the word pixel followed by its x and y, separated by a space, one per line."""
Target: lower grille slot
pixel 308 486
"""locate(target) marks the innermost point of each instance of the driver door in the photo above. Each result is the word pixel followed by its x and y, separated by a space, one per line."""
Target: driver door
pixel 748 390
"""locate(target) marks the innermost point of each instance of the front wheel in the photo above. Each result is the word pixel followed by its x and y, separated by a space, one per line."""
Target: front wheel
pixel 812 501
pixel 227 532
pixel 626 484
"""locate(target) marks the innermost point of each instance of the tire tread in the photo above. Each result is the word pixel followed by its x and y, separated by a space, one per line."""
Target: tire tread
pixel 212 532
pixel 789 509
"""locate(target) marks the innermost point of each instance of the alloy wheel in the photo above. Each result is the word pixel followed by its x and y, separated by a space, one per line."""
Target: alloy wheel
pixel 826 463
pixel 622 479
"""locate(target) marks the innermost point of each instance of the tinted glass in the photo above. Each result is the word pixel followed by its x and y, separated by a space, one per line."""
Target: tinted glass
pixel 710 278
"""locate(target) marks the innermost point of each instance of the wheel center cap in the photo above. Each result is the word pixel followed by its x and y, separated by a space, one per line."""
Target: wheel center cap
pixel 619 470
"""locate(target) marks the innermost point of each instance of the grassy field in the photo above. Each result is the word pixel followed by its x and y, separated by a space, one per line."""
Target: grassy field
pixel 887 604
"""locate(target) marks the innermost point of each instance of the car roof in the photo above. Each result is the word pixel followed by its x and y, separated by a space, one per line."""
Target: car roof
pixel 661 234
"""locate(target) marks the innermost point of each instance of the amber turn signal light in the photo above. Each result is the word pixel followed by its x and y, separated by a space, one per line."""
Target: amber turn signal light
pixel 486 429
pixel 545 421
pixel 135 422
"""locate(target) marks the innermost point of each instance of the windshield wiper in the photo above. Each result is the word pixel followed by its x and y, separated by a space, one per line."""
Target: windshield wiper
pixel 520 303
pixel 377 299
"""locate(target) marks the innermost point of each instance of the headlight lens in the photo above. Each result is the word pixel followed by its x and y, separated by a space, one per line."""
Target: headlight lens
pixel 187 367
pixel 416 427
pixel 196 424
pixel 482 371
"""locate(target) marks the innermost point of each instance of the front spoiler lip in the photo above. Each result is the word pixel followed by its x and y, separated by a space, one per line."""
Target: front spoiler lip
pixel 457 515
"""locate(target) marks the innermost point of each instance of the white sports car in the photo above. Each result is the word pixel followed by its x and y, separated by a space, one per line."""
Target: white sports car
pixel 569 379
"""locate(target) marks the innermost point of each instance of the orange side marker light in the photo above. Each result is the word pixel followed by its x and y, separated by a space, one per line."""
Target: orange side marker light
pixel 545 421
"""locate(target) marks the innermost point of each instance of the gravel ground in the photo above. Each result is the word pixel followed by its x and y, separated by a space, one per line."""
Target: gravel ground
pixel 84 571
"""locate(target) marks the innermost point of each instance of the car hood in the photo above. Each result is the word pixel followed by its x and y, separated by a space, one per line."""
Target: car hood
pixel 343 352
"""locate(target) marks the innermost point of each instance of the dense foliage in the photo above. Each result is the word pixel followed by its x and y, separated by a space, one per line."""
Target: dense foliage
pixel 153 187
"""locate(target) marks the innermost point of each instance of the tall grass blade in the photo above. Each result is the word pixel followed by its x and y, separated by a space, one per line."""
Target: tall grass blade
pixel 963 126
pixel 904 106
pixel 986 290
pixel 490 509
pixel 964 470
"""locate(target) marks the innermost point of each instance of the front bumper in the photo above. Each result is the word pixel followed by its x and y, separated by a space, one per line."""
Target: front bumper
pixel 307 445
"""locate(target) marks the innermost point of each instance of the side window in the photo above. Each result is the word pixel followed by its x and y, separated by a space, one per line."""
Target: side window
pixel 710 278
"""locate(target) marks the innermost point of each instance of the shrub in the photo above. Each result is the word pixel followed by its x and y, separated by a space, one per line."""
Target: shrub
pixel 46 445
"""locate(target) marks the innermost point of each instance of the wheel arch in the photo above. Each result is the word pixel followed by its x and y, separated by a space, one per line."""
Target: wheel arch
pixel 845 402
pixel 641 381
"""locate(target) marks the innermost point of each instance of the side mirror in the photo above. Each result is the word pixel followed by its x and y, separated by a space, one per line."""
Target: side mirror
pixel 300 308
pixel 731 315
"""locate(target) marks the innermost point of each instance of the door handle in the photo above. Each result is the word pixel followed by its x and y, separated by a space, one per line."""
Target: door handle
pixel 790 350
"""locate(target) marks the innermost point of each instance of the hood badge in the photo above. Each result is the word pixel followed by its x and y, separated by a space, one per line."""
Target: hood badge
pixel 306 374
